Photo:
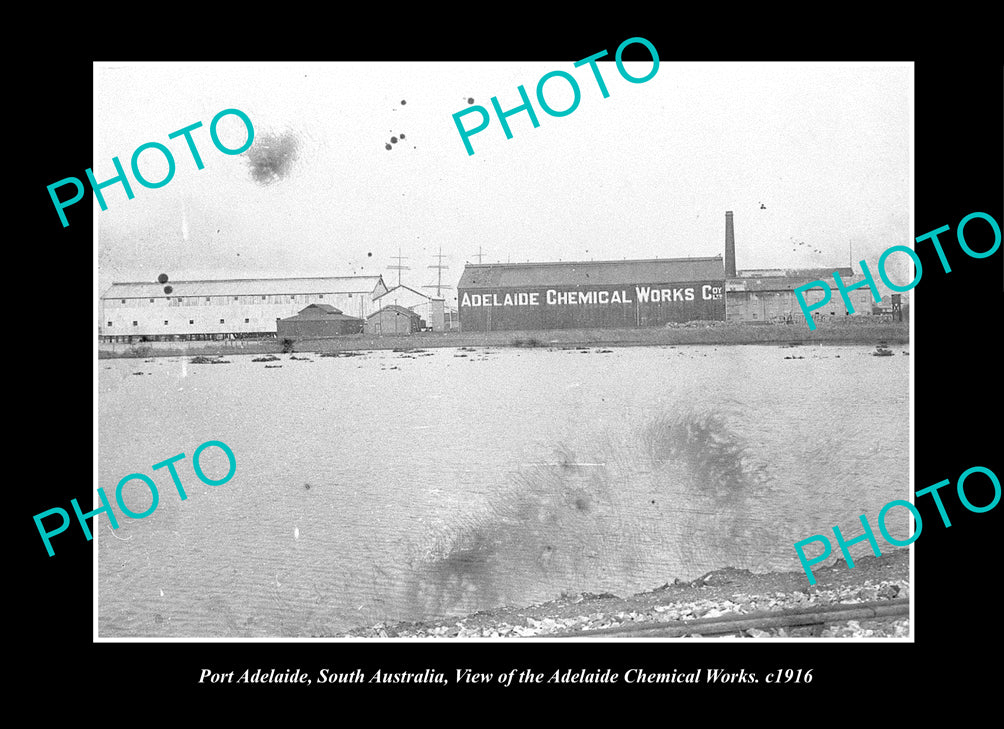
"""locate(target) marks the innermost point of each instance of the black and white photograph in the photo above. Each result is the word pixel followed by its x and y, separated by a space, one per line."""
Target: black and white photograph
pixel 416 374
pixel 479 387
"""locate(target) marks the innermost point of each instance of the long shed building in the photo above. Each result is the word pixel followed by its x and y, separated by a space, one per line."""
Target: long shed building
pixel 226 308
pixel 591 294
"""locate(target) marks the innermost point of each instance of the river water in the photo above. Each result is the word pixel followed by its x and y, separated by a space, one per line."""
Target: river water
pixel 397 486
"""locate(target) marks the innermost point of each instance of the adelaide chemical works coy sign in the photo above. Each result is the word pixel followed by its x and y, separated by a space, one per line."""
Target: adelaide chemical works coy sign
pixel 553 297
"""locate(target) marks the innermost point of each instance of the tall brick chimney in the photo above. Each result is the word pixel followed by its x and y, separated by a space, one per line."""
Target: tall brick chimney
pixel 730 247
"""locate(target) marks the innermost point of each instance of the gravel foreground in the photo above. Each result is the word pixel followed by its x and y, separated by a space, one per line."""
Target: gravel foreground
pixel 723 593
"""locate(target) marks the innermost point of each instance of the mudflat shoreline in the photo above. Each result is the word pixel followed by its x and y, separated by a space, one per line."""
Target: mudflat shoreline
pixel 848 331
pixel 727 594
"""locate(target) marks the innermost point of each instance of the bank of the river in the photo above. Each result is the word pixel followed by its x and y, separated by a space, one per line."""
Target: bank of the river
pixel 845 331
pixel 726 593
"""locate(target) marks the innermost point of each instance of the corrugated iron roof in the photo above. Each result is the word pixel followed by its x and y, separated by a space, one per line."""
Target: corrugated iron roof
pixel 326 308
pixel 589 273
pixel 808 273
pixel 789 282
pixel 321 312
pixel 247 287
pixel 398 309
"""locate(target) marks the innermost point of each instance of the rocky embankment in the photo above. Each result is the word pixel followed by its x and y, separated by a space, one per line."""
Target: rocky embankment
pixel 726 594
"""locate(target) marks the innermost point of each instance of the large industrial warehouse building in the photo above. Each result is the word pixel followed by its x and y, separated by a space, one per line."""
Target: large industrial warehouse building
pixel 642 293
pixel 226 309
pixel 588 294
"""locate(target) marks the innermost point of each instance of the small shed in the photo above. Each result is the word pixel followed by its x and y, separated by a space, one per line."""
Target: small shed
pixel 393 319
pixel 317 321
pixel 430 308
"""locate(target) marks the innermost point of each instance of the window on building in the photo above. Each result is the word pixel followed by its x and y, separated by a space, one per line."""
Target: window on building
pixel 221 321
pixel 208 299
pixel 123 301
pixel 350 296
pixel 135 323
pixel 179 299
pixel 109 323
pixel 247 321
pixel 754 316
pixel 262 298
pixel 235 298
pixel 191 321
pixel 321 296
pixel 165 322
pixel 151 301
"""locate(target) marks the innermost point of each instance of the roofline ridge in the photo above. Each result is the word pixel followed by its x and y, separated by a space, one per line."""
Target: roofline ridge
pixel 236 280
pixel 570 263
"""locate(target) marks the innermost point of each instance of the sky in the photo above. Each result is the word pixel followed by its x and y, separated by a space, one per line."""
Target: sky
pixel 810 153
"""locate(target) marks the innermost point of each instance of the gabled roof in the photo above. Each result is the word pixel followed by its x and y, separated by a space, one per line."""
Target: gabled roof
pixel 396 309
pixel 320 312
pixel 408 288
pixel 247 287
pixel 592 273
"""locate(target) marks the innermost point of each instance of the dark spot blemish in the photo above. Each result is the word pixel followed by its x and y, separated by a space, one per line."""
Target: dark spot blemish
pixel 271 157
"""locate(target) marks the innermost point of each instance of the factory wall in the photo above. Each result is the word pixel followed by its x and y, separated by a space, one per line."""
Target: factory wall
pixel 780 304
pixel 587 307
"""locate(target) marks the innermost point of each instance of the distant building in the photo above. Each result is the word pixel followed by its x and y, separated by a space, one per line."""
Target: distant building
pixel 394 320
pixel 768 295
pixel 430 308
pixel 591 294
pixel 225 308
pixel 318 321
